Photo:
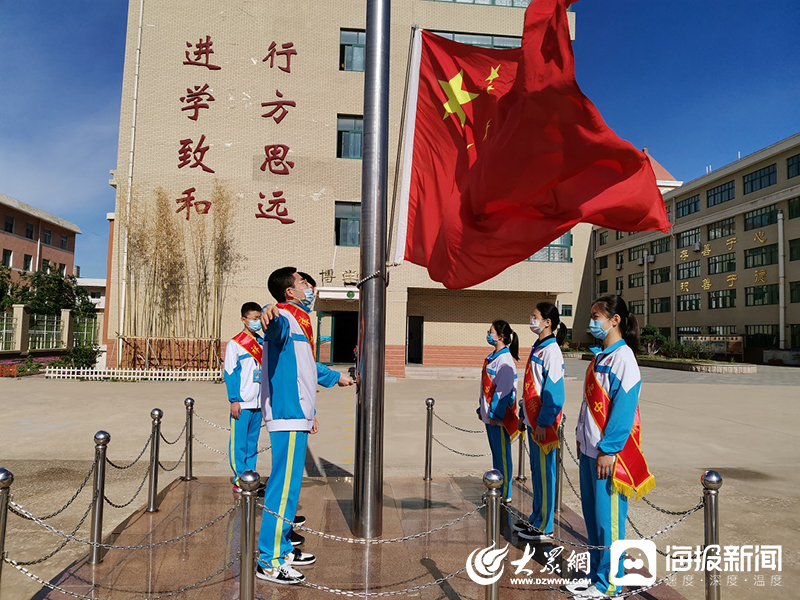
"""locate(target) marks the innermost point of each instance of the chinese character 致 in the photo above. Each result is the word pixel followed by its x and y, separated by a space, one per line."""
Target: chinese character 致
pixel 350 277
pixel 684 254
pixel 684 286
pixel 730 243
pixel 760 276
pixel 578 561
pixel 287 51
pixel 760 237
pixel 202 54
pixel 276 207
pixel 195 99
pixel 275 159
pixel 551 566
pixel 732 279
pixel 279 110
pixel 706 285
pixel 188 200
pixel 186 154
pixel 706 251
pixel 520 563
pixel 326 276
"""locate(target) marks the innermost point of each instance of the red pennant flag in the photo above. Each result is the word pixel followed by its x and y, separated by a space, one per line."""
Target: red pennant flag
pixel 508 155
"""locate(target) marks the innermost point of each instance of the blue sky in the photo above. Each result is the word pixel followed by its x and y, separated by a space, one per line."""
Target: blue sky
pixel 695 82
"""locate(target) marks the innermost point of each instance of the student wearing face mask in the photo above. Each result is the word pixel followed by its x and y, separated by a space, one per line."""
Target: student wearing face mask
pixel 612 466
pixel 541 404
pixel 497 404
pixel 243 382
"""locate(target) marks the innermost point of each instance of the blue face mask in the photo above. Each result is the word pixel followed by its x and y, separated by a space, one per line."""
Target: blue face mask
pixel 490 339
pixel 308 299
pixel 596 329
pixel 254 326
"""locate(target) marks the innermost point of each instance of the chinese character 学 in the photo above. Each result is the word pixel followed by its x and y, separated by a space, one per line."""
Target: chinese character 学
pixel 279 110
pixel 287 51
pixel 761 276
pixel 760 237
pixel 350 277
pixel 186 154
pixel 706 285
pixel 276 209
pixel 187 201
pixel 202 54
pixel 276 159
pixel 195 99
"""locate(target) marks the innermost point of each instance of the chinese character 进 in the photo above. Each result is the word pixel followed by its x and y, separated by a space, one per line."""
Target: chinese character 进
pixel 732 279
pixel 350 277
pixel 706 251
pixel 684 286
pixel 195 99
pixel 520 563
pixel 276 207
pixel 202 54
pixel 684 254
pixel 186 154
pixel 706 285
pixel 187 201
pixel 551 566
pixel 730 243
pixel 326 276
pixel 760 237
pixel 279 110
pixel 287 51
pixel 275 159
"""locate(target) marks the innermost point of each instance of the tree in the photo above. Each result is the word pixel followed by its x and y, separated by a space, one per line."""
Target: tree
pixel 652 339
pixel 45 293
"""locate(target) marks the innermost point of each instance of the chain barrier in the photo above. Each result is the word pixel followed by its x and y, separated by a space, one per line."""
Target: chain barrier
pixel 21 512
pixel 180 435
pixel 19 567
pixel 194 437
pixel 207 422
pixel 75 495
pixel 176 465
pixel 129 502
pixel 627 594
pixel 136 460
pixel 457 452
pixel 348 540
pixel 352 594
pixel 261 450
pixel 456 427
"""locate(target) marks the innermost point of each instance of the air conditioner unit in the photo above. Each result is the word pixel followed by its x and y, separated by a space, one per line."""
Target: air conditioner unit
pixel 651 259
pixel 641 262
pixel 619 291
pixel 619 266
pixel 696 247
pixel 599 271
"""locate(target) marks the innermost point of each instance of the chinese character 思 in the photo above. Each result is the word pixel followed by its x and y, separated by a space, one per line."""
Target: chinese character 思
pixel 202 54
pixel 276 159
pixel 195 99
pixel 187 201
pixel 287 51
pixel 186 154
pixel 276 209
pixel 279 110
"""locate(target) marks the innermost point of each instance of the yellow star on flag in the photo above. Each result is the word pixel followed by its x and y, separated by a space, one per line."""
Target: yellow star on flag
pixel 456 97
pixel 492 76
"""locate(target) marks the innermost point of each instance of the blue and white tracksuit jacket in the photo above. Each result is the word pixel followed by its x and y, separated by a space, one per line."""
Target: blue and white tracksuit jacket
pixel 604 509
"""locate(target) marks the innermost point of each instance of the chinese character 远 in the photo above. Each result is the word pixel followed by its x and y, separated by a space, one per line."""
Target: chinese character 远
pixel 760 276
pixel 187 201
pixel 202 54
pixel 279 110
pixel 196 99
pixel 706 285
pixel 276 159
pixel 186 154
pixel 326 276
pixel 730 243
pixel 706 251
pixel 527 555
pixel 684 286
pixel 551 566
pixel 287 51
pixel 732 279
pixel 684 254
pixel 276 207
pixel 760 237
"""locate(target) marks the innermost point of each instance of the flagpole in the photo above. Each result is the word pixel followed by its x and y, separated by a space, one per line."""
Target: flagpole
pixel 368 481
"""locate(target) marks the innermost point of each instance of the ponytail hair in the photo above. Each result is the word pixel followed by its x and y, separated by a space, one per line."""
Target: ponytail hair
pixel 550 312
pixel 510 338
pixel 629 326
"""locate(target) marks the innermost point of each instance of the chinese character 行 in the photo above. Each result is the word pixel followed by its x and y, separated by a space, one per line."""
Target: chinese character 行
pixel 186 154
pixel 202 54
pixel 732 279
pixel 730 243
pixel 520 563
pixel 276 206
pixel 760 237
pixel 279 110
pixel 275 159
pixel 195 99
pixel 760 276
pixel 287 51
pixel 188 200
pixel 706 285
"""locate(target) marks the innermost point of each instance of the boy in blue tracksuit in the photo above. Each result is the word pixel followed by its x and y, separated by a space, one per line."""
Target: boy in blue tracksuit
pixel 291 376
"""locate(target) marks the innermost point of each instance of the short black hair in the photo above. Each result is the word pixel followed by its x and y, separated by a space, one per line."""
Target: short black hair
pixel 249 307
pixel 309 279
pixel 279 280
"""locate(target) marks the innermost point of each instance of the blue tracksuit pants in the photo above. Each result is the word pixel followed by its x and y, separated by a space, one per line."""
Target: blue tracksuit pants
pixel 500 444
pixel 243 443
pixel 281 495
pixel 605 512
pixel 543 479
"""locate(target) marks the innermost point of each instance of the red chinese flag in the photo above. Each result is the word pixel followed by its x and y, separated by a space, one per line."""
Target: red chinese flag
pixel 508 155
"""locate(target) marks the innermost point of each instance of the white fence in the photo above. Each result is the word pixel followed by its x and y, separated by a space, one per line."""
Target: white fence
pixel 7 325
pixel 132 374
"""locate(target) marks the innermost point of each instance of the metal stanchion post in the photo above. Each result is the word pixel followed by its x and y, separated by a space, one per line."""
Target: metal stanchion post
pixel 560 465
pixel 101 440
pixel 155 442
pixel 493 480
pixel 189 404
pixel 429 438
pixel 6 479
pixel 712 481
pixel 522 458
pixel 249 482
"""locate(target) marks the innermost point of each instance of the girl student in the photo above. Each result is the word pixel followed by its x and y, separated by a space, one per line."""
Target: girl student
pixel 612 466
pixel 497 405
pixel 541 404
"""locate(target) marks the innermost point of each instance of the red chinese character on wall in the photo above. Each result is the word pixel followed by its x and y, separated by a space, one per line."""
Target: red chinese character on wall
pixel 187 201
pixel 186 154
pixel 195 99
pixel 287 51
pixel 276 209
pixel 276 159
pixel 279 110
pixel 202 54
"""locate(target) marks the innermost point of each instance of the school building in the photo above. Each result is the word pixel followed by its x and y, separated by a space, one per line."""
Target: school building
pixel 731 265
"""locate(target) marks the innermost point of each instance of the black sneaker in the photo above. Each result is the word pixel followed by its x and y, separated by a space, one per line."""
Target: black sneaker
pixel 296 538
pixel 532 533
pixel 284 574
pixel 300 558
pixel 299 520
pixel 520 525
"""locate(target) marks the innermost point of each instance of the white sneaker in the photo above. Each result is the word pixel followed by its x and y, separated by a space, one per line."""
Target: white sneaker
pixel 299 558
pixel 284 574
pixel 593 593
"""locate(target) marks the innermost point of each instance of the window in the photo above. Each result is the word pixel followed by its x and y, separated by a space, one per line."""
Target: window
pixel 688 238
pixel 512 3
pixel 761 256
pixel 760 336
pixel 760 179
pixel 484 41
pixel 7 258
pixel 566 310
pixel 660 275
pixel 795 336
pixel 689 270
pixel 722 329
pixel 602 286
pixel 794 291
pixel 761 295
pixel 636 307
pixel 620 258
pixel 27 262
pixel 794 249
pixel 721 229
pixel 724 263
pixel 688 206
pixel 722 299
pixel 9 224
pixel 63 242
pixel 793 166
pixel 349 132
pixel 29 231
pixel 636 252
pixel 559 250
pixel 761 217
pixel 48 236
pixel 794 207
pixel 45 265
pixel 665 331
pixel 721 193
pixel 602 262
pixel 660 305
pixel 636 280
pixel 690 330
pixel 660 246
pixel 619 235
pixel 352 46
pixel 603 238
pixel 348 223
pixel 62 269
pixel 620 284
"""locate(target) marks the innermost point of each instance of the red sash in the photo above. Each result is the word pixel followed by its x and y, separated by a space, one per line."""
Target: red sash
pixel 250 345
pixel 533 406
pixel 511 420
pixel 303 320
pixel 631 475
